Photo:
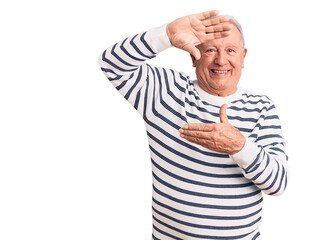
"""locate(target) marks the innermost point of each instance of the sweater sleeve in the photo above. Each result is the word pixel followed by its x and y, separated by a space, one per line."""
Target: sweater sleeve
pixel 124 64
pixel 263 159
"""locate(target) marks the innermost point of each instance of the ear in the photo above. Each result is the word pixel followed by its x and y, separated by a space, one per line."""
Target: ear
pixel 243 57
pixel 193 60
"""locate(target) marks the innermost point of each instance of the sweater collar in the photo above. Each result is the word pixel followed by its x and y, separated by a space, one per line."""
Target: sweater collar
pixel 217 99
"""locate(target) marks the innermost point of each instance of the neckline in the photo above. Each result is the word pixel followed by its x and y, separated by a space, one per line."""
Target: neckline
pixel 217 99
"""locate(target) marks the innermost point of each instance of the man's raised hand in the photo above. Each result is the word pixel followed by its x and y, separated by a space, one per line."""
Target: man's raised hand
pixel 189 31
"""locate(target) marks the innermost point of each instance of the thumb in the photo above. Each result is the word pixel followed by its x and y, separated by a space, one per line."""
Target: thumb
pixel 223 116
pixel 194 51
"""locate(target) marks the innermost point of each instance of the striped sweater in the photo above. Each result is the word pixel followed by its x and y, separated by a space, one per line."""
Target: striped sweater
pixel 198 193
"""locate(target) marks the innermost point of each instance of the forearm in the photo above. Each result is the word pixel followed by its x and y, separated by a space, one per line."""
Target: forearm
pixel 265 166
pixel 127 56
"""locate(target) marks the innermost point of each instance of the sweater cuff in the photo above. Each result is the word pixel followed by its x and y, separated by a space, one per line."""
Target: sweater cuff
pixel 157 38
pixel 246 155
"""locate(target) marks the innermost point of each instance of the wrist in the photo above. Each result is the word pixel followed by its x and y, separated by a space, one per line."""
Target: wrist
pixel 239 145
pixel 168 31
pixel 247 154
pixel 158 38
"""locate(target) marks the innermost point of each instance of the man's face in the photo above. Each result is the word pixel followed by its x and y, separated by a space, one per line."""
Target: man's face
pixel 219 68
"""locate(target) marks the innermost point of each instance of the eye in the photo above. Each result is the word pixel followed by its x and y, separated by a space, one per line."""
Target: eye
pixel 231 51
pixel 211 50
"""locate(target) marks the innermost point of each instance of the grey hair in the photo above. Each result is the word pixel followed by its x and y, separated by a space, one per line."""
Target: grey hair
pixel 238 26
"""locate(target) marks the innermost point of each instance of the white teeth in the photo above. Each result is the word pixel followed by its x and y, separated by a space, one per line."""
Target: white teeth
pixel 221 72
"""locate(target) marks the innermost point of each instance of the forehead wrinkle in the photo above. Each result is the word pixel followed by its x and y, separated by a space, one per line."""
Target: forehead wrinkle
pixel 219 44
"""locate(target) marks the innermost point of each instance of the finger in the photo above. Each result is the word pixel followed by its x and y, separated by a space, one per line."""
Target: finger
pixel 207 14
pixel 223 116
pixel 215 20
pixel 196 134
pixel 194 51
pixel 205 127
pixel 202 142
pixel 217 35
pixel 219 28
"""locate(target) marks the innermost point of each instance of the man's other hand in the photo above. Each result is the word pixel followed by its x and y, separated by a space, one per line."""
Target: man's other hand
pixel 220 137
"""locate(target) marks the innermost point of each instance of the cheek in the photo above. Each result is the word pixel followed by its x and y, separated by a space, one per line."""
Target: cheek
pixel 202 65
pixel 237 63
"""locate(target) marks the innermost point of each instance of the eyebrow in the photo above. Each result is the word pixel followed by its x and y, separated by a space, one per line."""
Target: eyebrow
pixel 206 45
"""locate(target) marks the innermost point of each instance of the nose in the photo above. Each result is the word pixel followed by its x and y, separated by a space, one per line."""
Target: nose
pixel 220 59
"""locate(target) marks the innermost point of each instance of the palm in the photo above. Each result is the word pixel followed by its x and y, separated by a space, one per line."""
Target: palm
pixel 187 32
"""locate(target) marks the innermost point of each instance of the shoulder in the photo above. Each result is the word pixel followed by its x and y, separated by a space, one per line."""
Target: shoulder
pixel 253 97
pixel 257 101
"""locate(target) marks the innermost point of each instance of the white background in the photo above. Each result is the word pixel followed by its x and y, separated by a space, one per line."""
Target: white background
pixel 74 160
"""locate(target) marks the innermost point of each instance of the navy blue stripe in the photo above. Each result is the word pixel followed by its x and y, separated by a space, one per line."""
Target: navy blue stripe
pixel 181 77
pixel 204 195
pixel 265 180
pixel 256 236
pixel 170 93
pixel 273 144
pixel 247 170
pixel 271 107
pixel 268 127
pixel 277 150
pixel 142 39
pixel 194 116
pixel 275 179
pixel 164 104
pixel 213 175
pixel 123 82
pixel 115 78
pixel 258 163
pixel 189 158
pixel 251 102
pixel 251 95
pixel 236 207
pixel 207 226
pixel 200 183
pixel 247 130
pixel 127 95
pixel 198 235
pixel 196 96
pixel 165 119
pixel 281 182
pixel 271 117
pixel 108 70
pixel 254 120
pixel 269 136
pixel 261 172
pixel 128 54
pixel 247 109
pixel 119 87
pixel 146 94
pixel 155 238
pixel 120 59
pixel 165 233
pixel 193 104
pixel 192 214
pixel 138 50
pixel 114 65
pixel 136 103
pixel 253 135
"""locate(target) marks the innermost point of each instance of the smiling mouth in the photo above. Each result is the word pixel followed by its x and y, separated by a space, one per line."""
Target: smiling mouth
pixel 222 72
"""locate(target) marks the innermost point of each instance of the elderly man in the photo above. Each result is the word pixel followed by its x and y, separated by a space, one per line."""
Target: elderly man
pixel 214 147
